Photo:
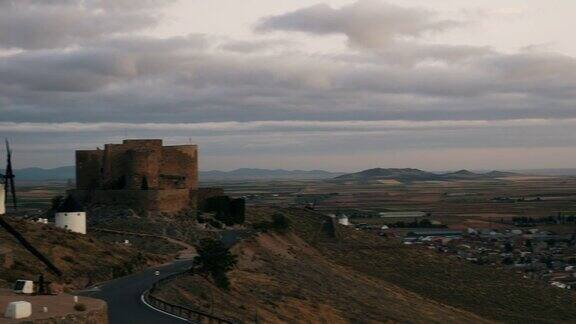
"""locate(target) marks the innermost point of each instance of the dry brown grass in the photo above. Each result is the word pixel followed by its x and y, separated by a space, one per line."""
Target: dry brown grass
pixel 495 294
pixel 283 279
pixel 83 259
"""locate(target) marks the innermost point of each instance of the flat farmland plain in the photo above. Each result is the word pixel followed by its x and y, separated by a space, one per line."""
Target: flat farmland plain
pixel 451 201
pixel 34 198
pixel 447 201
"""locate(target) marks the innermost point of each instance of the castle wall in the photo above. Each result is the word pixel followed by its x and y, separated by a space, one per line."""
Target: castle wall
pixel 202 194
pixel 88 168
pixel 142 164
pixel 174 200
pixel 113 165
pixel 142 143
pixel 169 201
pixel 179 167
pixel 116 175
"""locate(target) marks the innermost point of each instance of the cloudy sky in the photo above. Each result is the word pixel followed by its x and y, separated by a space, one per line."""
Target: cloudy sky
pixel 337 85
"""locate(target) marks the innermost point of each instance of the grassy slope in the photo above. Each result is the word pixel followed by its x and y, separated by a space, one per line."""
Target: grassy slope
pixel 82 259
pixel 491 293
pixel 283 279
pixel 306 276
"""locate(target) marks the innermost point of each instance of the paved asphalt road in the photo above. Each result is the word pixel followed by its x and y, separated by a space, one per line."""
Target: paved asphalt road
pixel 123 295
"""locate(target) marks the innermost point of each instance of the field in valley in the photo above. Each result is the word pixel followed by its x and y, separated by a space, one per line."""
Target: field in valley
pixel 34 198
pixel 451 202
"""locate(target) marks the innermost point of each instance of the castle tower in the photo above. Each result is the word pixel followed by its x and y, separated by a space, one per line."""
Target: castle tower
pixel 142 167
pixel 141 174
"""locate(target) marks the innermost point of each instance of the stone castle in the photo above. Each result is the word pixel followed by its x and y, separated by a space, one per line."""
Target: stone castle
pixel 141 174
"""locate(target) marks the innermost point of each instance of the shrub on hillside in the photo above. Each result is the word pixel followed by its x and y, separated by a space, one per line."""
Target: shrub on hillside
pixel 80 307
pixel 279 224
pixel 54 203
pixel 221 280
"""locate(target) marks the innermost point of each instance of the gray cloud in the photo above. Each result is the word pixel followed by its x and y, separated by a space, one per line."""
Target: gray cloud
pixel 33 24
pixel 196 79
pixel 79 70
pixel 87 86
pixel 257 46
pixel 257 127
pixel 366 23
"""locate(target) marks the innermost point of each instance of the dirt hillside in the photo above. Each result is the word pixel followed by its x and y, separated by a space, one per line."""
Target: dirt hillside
pixel 308 275
pixel 282 279
pixel 84 259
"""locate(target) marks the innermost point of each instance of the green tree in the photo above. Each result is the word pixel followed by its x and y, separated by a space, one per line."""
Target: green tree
pixel 56 201
pixel 216 260
pixel 280 223
pixel 54 204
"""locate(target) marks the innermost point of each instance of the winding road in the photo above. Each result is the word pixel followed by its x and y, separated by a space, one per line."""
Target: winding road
pixel 124 295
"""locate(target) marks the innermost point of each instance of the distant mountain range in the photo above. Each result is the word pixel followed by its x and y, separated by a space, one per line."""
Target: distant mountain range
pixel 68 172
pixel 550 172
pixel 263 174
pixel 39 174
pixel 403 175
pixel 408 175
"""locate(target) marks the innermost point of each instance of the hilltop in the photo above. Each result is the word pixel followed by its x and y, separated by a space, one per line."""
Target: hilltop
pixel 309 275
pixel 390 174
pixel 410 175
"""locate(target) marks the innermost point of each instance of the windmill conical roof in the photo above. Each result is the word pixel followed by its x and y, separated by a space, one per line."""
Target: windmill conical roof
pixel 69 205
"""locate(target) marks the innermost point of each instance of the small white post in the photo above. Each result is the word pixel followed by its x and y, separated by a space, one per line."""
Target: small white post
pixel 75 299
pixel 44 309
